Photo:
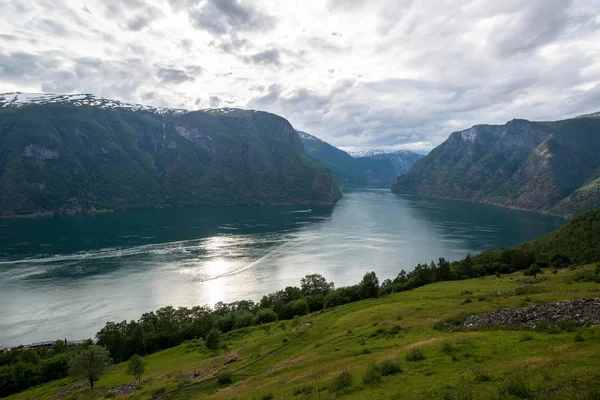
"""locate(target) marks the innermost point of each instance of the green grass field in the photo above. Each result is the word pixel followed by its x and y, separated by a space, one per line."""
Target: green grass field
pixel 301 359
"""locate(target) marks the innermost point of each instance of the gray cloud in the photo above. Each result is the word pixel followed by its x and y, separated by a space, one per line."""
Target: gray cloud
pixel 265 57
pixel 231 44
pixel 225 16
pixel 214 101
pixel 174 76
pixel 536 24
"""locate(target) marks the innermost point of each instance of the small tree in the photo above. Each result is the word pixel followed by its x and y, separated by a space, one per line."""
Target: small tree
pixel 136 367
pixel 90 363
pixel 369 286
pixel 213 339
pixel 533 270
pixel 315 284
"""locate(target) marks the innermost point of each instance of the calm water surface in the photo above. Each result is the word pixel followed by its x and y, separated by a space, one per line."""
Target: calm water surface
pixel 66 276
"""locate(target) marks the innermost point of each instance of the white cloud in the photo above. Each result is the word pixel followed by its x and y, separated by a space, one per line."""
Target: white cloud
pixel 358 74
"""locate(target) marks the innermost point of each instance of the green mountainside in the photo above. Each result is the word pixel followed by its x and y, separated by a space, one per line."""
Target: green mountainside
pixel 550 167
pixel 63 157
pixel 343 166
pixel 375 168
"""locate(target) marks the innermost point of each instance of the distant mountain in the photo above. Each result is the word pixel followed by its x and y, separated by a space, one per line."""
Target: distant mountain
pixel 78 153
pixel 550 167
pixel 379 160
pixel 344 168
pixel 373 167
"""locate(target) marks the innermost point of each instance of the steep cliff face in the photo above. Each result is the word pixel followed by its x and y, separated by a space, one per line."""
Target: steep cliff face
pixel 66 156
pixel 548 167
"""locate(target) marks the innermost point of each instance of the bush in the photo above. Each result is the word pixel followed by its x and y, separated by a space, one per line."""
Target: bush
pixel 296 307
pixel 579 337
pixel 526 337
pixel 390 367
pixel 315 302
pixel 213 339
pixel 516 386
pixel 415 355
pixel 264 316
pixel 395 329
pixel 268 396
pixel 482 376
pixel 225 379
pixel 447 347
pixel 372 375
pixel 335 298
pixel 341 381
pixel 566 325
pixel 306 389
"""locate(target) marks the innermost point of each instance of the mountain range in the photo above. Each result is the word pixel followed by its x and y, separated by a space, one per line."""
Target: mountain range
pixel 549 167
pixel 372 167
pixel 79 153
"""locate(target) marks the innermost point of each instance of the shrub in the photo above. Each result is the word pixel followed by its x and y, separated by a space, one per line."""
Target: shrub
pixel 372 375
pixel 390 367
pixel 341 381
pixel 482 376
pixel 296 307
pixel 335 298
pixel 467 301
pixel 447 347
pixel 516 386
pixel 213 339
pixel 395 329
pixel 566 325
pixel 225 379
pixel 268 396
pixel 579 337
pixel 264 316
pixel 526 337
pixel 306 389
pixel 415 355
pixel 315 302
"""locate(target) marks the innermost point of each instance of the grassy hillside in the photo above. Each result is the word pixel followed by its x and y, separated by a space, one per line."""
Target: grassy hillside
pixel 299 359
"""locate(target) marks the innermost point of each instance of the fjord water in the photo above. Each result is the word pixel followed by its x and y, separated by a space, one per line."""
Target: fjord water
pixel 66 276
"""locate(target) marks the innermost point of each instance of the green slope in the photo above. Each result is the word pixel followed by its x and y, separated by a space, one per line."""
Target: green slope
pixel 61 158
pixel 300 360
pixel 540 166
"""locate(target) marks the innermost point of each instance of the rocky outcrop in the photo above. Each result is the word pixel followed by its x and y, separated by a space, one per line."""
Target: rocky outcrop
pixel 578 312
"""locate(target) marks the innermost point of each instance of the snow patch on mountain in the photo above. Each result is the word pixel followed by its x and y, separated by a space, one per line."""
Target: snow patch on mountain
pixel 21 99
pixel 307 136
pixel 377 152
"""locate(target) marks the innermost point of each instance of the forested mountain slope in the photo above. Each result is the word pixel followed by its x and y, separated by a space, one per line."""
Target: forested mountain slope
pixel 550 167
pixel 80 153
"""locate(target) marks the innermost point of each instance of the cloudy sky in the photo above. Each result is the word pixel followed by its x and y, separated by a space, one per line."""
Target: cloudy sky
pixel 359 74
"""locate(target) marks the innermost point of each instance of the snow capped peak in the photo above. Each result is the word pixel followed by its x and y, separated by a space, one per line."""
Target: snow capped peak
pixel 20 99
pixel 375 152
